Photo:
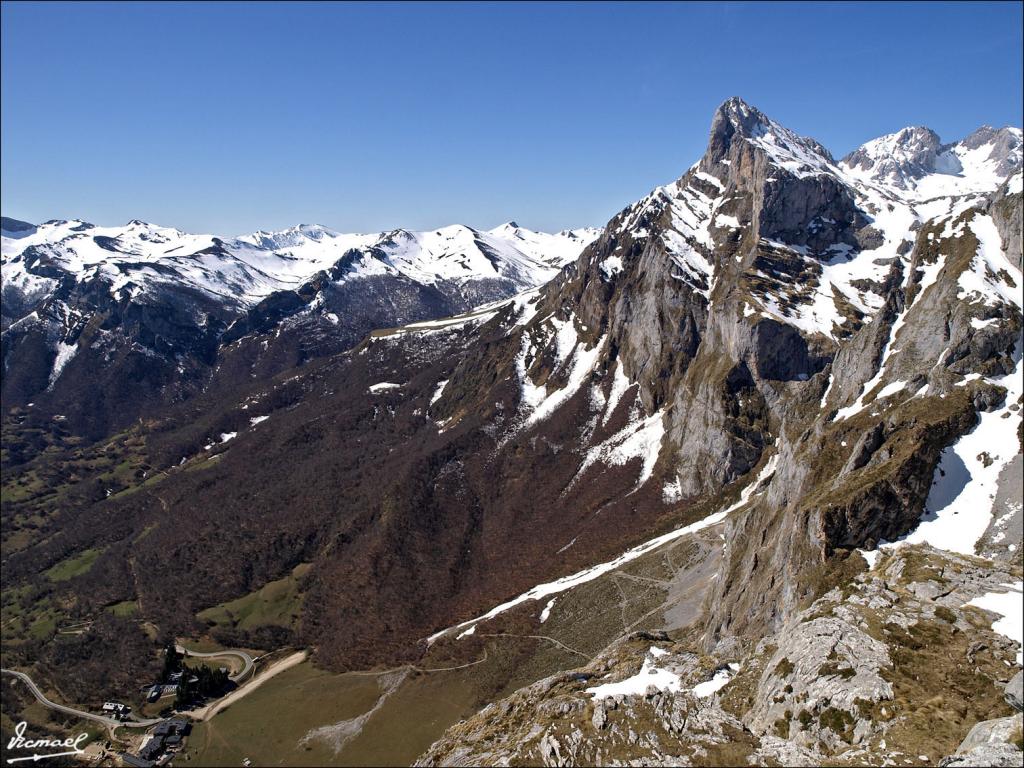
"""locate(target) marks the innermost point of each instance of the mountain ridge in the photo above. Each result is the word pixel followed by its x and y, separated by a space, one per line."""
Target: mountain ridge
pixel 772 363
pixel 844 350
pixel 170 301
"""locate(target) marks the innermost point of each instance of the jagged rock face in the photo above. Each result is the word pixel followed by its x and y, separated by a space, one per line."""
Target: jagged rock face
pixel 772 299
pixel 739 381
pixel 753 231
pixel 791 201
pixel 649 280
pixel 875 485
pixel 1005 211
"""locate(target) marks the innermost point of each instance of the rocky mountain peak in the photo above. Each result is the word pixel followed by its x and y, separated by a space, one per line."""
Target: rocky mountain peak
pixel 740 133
pixel 396 236
pixel 901 157
pixel 915 160
pixel 1005 143
pixel 733 119
pixel 1004 139
pixel 739 116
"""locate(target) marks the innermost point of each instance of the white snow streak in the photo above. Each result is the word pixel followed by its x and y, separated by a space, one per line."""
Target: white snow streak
pixel 589 574
pixel 1009 605
pixel 546 612
pixel 64 354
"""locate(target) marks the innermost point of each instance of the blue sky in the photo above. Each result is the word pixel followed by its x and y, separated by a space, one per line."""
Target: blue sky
pixel 230 118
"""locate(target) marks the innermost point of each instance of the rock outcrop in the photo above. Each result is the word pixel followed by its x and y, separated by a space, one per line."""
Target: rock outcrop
pixel 844 683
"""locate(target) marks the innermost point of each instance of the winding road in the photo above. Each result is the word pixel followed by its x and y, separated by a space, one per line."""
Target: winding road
pixel 205 713
pixel 108 721
pixel 247 660
pixel 246 671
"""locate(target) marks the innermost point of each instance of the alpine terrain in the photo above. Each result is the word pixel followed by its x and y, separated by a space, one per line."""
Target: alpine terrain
pixel 735 480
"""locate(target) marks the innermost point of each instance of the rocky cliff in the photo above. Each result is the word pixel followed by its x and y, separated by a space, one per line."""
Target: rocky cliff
pixel 859 322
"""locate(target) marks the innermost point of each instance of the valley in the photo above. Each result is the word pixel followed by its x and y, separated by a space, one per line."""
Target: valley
pixel 430 696
pixel 728 481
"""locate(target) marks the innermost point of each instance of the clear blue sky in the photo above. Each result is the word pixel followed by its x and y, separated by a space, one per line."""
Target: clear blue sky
pixel 230 118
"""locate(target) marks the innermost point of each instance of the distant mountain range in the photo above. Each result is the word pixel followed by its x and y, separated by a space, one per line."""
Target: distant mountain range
pixel 175 298
pixel 242 271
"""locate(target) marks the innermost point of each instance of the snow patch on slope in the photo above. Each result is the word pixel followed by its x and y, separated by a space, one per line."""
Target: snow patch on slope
pixel 582 577
pixel 640 439
pixel 649 675
pixel 1009 605
pixel 714 685
pixel 64 354
pixel 546 613
pixel 987 277
pixel 959 506
pixel 620 385
pixel 572 358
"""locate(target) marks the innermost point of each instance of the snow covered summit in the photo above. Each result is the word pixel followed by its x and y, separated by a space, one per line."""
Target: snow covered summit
pixel 917 165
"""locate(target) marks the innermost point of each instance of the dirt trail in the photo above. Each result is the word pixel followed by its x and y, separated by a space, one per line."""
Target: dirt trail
pixel 559 643
pixel 207 712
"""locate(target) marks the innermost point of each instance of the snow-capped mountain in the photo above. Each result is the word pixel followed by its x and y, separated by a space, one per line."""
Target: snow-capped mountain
pixel 821 358
pixel 917 165
pixel 554 250
pixel 457 253
pixel 92 299
pixel 777 364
